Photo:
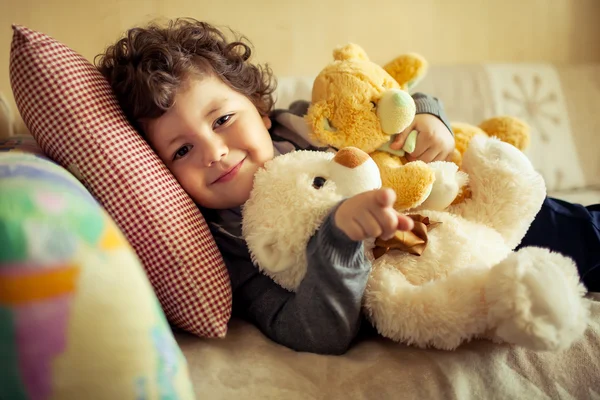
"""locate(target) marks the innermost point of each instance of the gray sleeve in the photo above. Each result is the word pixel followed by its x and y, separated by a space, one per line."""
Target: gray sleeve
pixel 427 104
pixel 324 314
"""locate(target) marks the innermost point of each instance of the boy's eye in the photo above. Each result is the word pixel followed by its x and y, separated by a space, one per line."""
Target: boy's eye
pixel 182 152
pixel 223 120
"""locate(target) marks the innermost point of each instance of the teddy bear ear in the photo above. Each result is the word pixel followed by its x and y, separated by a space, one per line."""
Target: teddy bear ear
pixel 407 69
pixel 350 51
pixel 269 253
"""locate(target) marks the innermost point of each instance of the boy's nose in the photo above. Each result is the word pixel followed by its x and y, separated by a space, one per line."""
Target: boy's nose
pixel 216 160
pixel 214 153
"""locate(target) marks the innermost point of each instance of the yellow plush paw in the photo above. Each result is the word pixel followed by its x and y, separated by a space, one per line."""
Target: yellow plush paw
pixel 412 182
pixel 463 133
pixel 508 129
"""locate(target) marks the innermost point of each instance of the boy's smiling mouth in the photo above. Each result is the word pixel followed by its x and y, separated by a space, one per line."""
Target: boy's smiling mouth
pixel 230 173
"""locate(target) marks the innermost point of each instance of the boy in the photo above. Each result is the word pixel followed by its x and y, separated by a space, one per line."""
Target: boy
pixel 205 110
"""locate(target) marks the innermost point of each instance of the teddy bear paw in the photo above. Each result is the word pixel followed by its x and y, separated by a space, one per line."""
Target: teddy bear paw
pixel 536 300
pixel 449 182
pixel 488 152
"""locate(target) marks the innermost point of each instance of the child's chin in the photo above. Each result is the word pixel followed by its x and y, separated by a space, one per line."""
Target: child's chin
pixel 237 193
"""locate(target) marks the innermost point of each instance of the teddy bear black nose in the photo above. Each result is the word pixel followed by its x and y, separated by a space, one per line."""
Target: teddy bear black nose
pixel 319 182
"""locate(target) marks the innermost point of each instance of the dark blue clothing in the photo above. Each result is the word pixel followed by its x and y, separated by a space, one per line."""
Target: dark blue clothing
pixel 572 230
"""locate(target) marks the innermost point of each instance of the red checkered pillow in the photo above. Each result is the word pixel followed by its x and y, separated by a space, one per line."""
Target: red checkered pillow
pixel 70 109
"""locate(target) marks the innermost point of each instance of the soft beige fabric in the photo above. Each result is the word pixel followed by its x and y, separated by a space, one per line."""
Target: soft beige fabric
pixel 246 365
pixel 7 123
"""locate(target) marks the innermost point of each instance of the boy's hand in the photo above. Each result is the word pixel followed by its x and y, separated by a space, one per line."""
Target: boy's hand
pixel 370 215
pixel 434 141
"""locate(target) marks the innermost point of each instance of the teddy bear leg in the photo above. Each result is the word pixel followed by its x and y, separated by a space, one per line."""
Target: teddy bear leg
pixel 506 191
pixel 441 313
pixel 536 300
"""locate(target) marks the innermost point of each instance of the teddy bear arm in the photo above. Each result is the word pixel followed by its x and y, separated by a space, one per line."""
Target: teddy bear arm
pixel 441 313
pixel 506 191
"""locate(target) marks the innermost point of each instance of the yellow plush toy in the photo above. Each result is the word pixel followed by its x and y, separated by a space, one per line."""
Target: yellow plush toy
pixel 356 102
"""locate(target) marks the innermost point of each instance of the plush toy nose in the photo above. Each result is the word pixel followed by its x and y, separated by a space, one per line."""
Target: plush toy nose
pixel 396 110
pixel 350 157
pixel 354 172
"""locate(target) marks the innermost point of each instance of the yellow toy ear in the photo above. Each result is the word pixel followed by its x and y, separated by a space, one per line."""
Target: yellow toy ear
pixel 350 51
pixel 407 70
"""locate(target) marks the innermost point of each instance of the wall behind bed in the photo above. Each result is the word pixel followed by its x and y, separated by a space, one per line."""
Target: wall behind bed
pixel 296 37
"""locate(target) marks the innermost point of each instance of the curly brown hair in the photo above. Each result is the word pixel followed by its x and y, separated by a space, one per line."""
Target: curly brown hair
pixel 150 64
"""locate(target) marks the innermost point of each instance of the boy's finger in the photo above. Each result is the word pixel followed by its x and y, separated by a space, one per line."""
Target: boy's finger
pixel 442 156
pixel 385 197
pixel 398 142
pixel 423 144
pixel 429 155
pixel 405 223
pixel 369 225
pixel 388 221
pixel 415 155
pixel 355 231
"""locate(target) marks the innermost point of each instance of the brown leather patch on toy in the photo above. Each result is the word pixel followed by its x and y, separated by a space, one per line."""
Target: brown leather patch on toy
pixel 413 242
pixel 350 157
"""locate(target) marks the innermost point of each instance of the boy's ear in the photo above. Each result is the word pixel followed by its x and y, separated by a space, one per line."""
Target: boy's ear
pixel 267 121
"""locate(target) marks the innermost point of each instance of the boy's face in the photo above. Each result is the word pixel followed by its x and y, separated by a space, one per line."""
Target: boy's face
pixel 213 140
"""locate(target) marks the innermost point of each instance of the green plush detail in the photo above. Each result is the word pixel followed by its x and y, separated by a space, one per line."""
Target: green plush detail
pixel 411 142
pixel 409 145
pixel 386 148
pixel 400 100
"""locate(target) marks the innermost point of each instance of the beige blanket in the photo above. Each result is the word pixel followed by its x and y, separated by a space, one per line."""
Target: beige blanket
pixel 246 365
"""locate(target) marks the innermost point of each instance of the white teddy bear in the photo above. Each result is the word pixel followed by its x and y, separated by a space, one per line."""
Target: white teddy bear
pixel 467 282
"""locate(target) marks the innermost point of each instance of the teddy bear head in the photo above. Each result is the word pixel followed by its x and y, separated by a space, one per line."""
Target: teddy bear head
pixel 355 102
pixel 291 196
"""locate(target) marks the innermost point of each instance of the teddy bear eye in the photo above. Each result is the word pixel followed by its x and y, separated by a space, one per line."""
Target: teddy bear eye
pixel 319 182
pixel 328 126
pixel 374 104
